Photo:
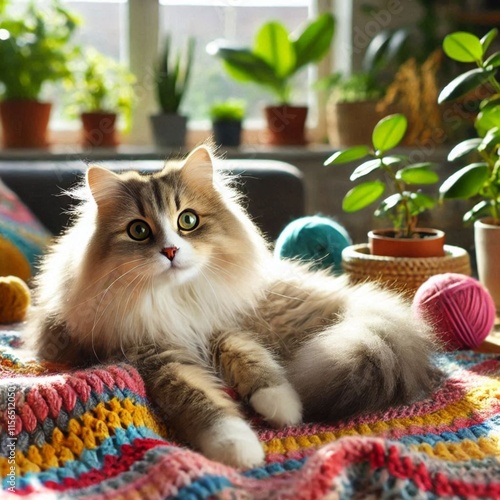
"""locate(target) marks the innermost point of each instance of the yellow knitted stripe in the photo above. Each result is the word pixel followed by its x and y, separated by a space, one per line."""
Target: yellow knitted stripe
pixel 476 400
pixel 85 432
pixel 465 450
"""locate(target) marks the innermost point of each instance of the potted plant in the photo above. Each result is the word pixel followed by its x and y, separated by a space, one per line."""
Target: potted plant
pixel 35 48
pixel 479 179
pixel 101 90
pixel 359 94
pixel 227 117
pixel 272 62
pixel 405 254
pixel 172 76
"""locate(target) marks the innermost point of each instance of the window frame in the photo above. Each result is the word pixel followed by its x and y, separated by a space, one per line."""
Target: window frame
pixel 142 38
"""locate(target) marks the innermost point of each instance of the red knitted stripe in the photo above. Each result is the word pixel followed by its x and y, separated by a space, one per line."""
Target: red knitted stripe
pixel 339 456
pixel 113 465
pixel 53 393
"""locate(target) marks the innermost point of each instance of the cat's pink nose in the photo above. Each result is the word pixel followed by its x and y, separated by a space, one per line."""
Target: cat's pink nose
pixel 169 252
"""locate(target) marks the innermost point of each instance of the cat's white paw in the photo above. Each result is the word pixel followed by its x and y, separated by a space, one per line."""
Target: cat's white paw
pixel 279 405
pixel 232 442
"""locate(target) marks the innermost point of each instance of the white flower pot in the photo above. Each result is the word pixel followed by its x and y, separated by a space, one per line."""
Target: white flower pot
pixel 487 242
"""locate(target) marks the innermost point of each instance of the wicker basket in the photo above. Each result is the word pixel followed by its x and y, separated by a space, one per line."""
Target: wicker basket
pixel 404 274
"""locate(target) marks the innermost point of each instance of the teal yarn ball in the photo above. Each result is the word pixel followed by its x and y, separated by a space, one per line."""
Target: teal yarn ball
pixel 314 239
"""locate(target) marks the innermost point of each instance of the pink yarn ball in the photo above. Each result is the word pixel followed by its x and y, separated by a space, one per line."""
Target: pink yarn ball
pixel 460 308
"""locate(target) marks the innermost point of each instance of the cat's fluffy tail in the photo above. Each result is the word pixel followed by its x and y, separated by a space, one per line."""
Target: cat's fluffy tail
pixel 378 355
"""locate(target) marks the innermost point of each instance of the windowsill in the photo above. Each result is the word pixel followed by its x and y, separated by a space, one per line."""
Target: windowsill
pixel 135 152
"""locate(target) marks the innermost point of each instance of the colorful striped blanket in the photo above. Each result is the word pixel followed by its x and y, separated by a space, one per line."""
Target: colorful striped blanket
pixel 93 434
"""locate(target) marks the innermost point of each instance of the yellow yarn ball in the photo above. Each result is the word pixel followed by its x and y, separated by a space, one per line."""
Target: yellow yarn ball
pixel 14 299
pixel 12 261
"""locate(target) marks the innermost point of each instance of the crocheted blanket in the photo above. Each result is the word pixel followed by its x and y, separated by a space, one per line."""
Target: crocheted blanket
pixel 92 434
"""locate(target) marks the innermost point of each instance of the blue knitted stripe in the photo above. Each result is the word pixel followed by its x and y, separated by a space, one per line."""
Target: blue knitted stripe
pixel 43 432
pixel 89 459
pixel 473 433
pixel 274 469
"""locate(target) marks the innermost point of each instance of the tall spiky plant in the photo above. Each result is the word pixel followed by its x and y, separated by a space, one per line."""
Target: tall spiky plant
pixel 173 74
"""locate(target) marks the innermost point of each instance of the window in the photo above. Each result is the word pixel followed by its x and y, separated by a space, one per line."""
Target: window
pixel 105 26
pixel 237 21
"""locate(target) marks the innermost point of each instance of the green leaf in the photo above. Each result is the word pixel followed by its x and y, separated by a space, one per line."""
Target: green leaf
pixel 365 168
pixel 375 52
pixel 419 173
pixel 490 102
pixel 463 148
pixel 487 39
pixel 490 141
pixel 314 41
pixel 389 132
pixel 421 202
pixel 493 60
pixel 465 183
pixel 465 83
pixel 478 211
pixel 388 204
pixel 348 155
pixel 362 195
pixel 463 47
pixel 273 46
pixel 487 119
pixel 243 65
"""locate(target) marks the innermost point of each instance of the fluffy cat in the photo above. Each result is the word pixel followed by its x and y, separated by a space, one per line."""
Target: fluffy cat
pixel 167 272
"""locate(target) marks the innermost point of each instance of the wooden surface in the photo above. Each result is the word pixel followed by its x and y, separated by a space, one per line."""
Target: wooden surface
pixel 492 341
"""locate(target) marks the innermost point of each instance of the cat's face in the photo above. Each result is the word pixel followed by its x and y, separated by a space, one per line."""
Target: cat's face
pixel 173 226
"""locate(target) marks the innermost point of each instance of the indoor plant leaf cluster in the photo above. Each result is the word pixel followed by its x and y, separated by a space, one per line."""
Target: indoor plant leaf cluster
pixel 401 177
pixel 229 110
pixel 35 47
pixel 172 75
pixel 100 84
pixel 384 50
pixel 276 55
pixel 480 178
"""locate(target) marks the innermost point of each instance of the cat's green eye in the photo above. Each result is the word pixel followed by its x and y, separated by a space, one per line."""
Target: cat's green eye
pixel 139 230
pixel 188 220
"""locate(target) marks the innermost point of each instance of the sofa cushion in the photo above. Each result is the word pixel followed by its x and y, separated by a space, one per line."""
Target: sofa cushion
pixel 22 236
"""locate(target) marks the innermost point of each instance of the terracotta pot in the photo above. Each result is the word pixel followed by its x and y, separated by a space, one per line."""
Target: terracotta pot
pixel 487 242
pixel 25 123
pixel 351 123
pixel 99 130
pixel 286 125
pixel 430 244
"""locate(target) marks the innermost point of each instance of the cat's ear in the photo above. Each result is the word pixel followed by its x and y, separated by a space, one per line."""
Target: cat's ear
pixel 198 166
pixel 102 183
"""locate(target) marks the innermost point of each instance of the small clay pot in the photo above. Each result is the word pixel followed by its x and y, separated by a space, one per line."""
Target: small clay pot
pixel 286 125
pixel 99 130
pixel 25 123
pixel 426 243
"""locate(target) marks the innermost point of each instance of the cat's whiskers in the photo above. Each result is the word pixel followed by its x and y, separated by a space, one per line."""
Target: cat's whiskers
pixel 290 297
pixel 93 283
pixel 149 282
pixel 97 319
pixel 140 283
pixel 209 283
pixel 218 269
pixel 233 264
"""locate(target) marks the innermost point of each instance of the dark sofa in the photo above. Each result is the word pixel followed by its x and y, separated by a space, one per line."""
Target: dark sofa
pixel 273 190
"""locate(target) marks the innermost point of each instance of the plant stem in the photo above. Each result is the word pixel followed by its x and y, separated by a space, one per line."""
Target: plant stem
pixel 407 230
